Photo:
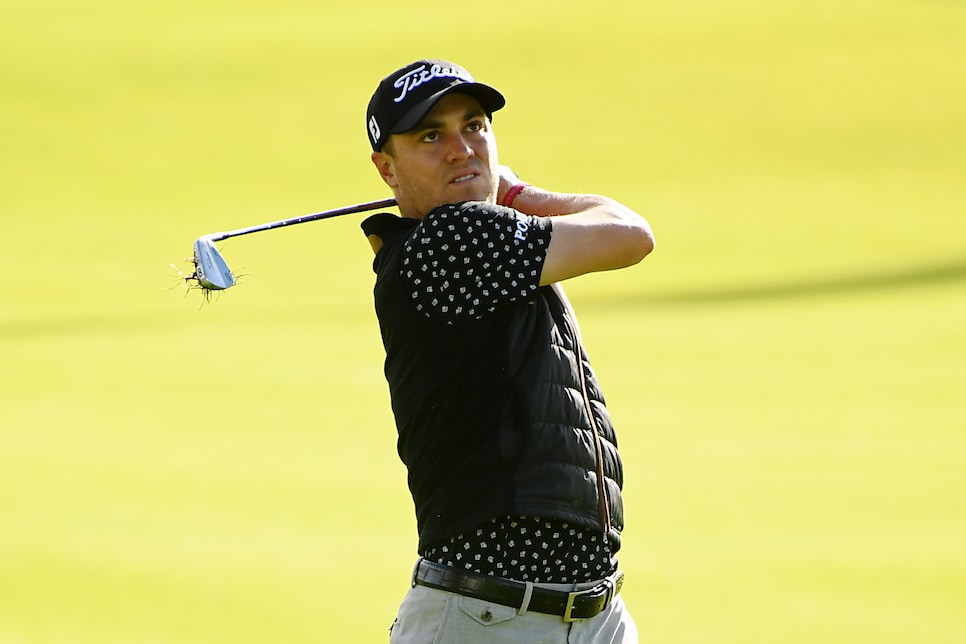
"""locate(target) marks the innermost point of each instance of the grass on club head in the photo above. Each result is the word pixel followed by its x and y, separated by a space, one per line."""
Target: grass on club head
pixel 786 371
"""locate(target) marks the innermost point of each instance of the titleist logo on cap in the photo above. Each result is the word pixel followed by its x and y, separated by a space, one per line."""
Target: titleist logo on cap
pixel 411 80
pixel 404 97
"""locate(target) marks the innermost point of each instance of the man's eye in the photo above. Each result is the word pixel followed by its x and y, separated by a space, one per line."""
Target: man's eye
pixel 475 126
pixel 430 137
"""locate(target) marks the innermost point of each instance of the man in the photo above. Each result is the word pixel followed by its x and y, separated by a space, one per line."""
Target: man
pixel 511 455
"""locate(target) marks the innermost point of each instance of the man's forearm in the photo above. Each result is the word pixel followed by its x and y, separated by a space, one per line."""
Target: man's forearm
pixel 533 200
pixel 543 203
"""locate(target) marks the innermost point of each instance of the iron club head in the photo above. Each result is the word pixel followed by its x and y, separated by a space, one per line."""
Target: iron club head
pixel 211 271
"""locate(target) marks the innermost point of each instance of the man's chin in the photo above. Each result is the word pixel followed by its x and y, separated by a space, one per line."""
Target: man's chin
pixel 474 190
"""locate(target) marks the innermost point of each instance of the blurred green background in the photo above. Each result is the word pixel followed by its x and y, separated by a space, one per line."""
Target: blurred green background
pixel 787 371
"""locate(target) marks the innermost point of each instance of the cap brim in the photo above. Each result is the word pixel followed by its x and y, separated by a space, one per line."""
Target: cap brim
pixel 489 98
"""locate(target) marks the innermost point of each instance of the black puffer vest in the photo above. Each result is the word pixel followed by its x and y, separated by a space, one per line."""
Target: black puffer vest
pixel 492 414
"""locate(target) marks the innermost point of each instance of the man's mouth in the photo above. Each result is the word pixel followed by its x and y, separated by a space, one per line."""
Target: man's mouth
pixel 465 178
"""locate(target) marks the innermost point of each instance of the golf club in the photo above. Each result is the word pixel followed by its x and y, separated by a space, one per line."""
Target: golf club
pixel 211 271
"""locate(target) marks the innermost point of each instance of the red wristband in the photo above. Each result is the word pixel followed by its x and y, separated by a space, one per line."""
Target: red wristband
pixel 512 193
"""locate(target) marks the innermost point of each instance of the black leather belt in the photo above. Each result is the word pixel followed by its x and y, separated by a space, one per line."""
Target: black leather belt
pixel 579 604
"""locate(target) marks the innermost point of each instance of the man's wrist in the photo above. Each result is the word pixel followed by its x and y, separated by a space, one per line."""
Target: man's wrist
pixel 512 193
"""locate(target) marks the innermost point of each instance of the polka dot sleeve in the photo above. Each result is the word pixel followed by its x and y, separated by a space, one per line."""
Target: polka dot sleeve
pixel 464 260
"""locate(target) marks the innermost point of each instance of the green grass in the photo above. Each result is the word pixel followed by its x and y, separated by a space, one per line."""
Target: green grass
pixel 787 371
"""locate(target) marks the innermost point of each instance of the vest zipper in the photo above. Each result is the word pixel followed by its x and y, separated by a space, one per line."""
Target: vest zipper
pixel 605 517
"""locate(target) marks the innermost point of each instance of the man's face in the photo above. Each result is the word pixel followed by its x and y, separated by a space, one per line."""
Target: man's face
pixel 450 156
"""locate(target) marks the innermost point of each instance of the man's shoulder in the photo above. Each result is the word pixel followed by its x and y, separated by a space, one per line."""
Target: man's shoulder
pixel 386 225
pixel 389 226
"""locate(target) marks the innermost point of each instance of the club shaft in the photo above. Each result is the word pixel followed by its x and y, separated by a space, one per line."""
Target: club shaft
pixel 325 214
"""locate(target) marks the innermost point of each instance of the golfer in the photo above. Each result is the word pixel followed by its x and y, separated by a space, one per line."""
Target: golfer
pixel 512 457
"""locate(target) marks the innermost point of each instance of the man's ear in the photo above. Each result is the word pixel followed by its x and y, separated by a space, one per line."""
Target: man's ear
pixel 384 164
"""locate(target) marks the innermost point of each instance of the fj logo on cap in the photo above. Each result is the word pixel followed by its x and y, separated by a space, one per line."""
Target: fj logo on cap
pixel 420 75
pixel 374 130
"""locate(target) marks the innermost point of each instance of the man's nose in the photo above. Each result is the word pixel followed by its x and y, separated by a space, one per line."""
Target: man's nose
pixel 458 148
